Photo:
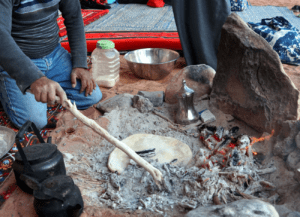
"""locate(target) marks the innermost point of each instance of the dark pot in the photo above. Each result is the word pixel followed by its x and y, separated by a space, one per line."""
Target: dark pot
pixel 39 161
pixel 58 196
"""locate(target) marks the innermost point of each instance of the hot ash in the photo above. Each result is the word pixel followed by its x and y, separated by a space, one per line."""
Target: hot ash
pixel 224 171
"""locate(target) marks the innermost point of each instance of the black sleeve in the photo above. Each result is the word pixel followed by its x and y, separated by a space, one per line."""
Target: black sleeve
pixel 71 12
pixel 12 58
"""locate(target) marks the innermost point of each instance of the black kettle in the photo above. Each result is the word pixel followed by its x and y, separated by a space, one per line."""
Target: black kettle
pixel 39 161
pixel 56 196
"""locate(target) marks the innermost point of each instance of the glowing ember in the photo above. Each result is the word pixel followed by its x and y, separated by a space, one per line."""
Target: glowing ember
pixel 255 140
pixel 231 145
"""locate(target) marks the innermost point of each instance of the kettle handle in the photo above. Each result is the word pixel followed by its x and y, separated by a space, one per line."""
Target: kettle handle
pixel 25 127
pixel 20 135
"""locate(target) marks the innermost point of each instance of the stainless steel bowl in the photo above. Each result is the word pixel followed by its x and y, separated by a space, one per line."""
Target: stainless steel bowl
pixel 7 140
pixel 152 63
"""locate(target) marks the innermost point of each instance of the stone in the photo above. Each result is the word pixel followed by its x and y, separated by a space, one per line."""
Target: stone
pixel 122 101
pixel 155 97
pixel 197 77
pixel 142 104
pixel 293 214
pixel 286 138
pixel 245 208
pixel 284 148
pixel 250 82
pixel 282 210
pixel 293 160
pixel 207 117
pixel 166 150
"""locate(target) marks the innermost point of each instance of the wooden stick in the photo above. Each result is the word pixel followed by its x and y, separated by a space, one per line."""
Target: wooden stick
pixel 156 174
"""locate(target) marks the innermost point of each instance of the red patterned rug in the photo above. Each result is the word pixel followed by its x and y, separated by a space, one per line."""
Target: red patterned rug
pixel 125 41
pixel 87 15
pixel 29 139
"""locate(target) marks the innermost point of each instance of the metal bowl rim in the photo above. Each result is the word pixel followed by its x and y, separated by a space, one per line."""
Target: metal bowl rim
pixel 126 55
pixel 13 133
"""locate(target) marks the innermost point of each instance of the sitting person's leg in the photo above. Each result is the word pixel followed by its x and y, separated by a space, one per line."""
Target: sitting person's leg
pixel 19 107
pixel 60 68
pixel 199 24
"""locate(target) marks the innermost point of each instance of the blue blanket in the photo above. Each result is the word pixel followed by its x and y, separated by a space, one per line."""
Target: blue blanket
pixel 282 36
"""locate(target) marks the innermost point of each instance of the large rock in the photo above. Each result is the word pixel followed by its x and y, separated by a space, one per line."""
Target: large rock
pixel 250 82
pixel 142 104
pixel 198 77
pixel 122 101
pixel 155 97
pixel 245 208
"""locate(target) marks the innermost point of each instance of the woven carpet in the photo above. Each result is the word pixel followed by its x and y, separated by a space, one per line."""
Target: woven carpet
pixel 135 17
pixel 29 139
pixel 139 17
pixel 87 15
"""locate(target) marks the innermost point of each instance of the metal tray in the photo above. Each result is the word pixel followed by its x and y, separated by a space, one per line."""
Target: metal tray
pixel 7 140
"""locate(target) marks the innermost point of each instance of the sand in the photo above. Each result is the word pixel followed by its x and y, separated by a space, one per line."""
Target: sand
pixel 21 204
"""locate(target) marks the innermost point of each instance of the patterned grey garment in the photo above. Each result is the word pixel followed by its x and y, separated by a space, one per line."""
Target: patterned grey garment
pixel 282 36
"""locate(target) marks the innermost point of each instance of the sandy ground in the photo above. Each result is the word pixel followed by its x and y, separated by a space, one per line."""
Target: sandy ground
pixel 21 204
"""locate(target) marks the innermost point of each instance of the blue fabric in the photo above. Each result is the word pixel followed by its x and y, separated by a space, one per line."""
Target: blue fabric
pixel 282 36
pixel 111 1
pixel 238 5
pixel 57 66
pixel 255 14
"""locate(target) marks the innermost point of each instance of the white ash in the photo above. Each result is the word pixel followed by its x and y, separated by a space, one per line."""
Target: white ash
pixel 183 189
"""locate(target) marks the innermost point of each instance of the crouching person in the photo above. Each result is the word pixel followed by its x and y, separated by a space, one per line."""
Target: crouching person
pixel 31 58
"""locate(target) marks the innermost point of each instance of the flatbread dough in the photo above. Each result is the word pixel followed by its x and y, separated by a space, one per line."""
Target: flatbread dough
pixel 166 150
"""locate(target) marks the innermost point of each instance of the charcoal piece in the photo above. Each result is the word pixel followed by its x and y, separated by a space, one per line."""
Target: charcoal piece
pixel 235 158
pixel 234 130
pixel 226 142
pixel 151 188
pixel 174 161
pixel 145 151
pixel 167 185
pixel 114 180
pixel 123 182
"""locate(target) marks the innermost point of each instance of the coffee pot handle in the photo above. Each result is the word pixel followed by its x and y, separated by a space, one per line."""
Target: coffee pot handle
pixel 20 135
pixel 25 128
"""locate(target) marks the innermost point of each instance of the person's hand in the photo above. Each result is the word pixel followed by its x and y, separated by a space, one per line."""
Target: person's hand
pixel 46 90
pixel 87 82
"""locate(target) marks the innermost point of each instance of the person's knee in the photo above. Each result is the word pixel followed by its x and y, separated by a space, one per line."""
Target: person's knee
pixel 39 120
pixel 90 99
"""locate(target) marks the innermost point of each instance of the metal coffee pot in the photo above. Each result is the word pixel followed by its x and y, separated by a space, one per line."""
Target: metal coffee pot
pixel 186 113
pixel 39 161
pixel 56 196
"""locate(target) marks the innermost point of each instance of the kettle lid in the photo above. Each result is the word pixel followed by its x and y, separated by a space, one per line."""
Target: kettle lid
pixel 185 90
pixel 37 153
pixel 54 187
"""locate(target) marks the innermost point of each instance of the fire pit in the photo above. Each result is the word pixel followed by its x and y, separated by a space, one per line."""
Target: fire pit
pixel 223 169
